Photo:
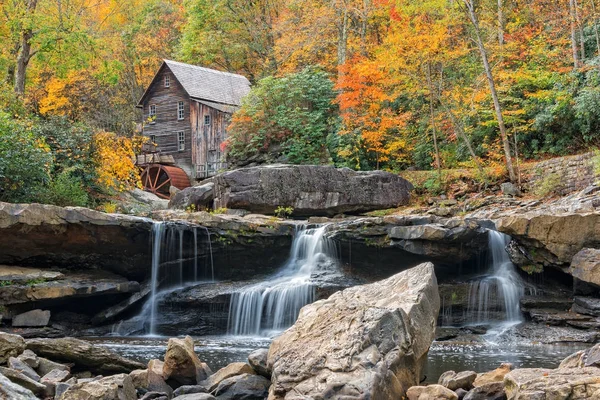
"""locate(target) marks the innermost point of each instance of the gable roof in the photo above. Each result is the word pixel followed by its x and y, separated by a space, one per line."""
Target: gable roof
pixel 206 84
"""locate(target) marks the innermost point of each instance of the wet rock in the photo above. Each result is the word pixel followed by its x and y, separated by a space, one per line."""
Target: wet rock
pixel 18 365
pixel 155 396
pixel 10 390
pixel 494 376
pixel 541 302
pixel 431 392
pixel 139 378
pixel 201 197
pixel 258 361
pixel 32 318
pixel 370 340
pixel 182 365
pixel 20 379
pixel 243 387
pixel 566 383
pixel 156 378
pixel 29 358
pixel 46 366
pixel 189 389
pixel 587 305
pixel 116 387
pixel 230 370
pixel 196 396
pixel 83 354
pixel 309 189
pixel 461 380
pixel 109 314
pixel 489 391
pixel 10 346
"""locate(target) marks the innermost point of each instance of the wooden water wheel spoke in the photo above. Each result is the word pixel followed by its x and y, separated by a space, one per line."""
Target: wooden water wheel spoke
pixel 163 184
pixel 158 179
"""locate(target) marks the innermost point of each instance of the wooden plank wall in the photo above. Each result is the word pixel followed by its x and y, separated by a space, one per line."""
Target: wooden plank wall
pixel 208 139
pixel 167 125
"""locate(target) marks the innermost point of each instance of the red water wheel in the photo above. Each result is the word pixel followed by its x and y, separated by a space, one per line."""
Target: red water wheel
pixel 158 179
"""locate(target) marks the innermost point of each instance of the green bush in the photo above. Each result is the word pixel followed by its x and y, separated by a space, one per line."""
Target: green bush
pixel 292 116
pixel 65 189
pixel 25 161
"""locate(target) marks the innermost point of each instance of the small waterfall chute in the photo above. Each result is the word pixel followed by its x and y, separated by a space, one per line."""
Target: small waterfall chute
pixel 500 290
pixel 274 304
pixel 170 270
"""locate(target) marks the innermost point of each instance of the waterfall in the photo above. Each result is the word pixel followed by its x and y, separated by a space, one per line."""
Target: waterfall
pixel 274 304
pixel 158 229
pixel 501 289
pixel 170 270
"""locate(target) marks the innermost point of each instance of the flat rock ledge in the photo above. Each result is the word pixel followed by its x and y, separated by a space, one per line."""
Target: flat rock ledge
pixel 363 342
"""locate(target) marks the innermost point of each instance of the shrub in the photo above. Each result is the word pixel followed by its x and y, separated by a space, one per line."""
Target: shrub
pixel 66 189
pixel 284 212
pixel 290 116
pixel 548 185
pixel 25 161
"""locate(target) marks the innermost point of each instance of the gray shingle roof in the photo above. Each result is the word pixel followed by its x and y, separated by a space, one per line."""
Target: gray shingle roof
pixel 209 84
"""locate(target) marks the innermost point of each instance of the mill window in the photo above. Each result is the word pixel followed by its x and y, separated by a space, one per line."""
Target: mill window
pixel 180 110
pixel 181 141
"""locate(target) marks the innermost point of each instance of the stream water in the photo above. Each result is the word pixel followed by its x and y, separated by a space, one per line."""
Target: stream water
pixel 259 311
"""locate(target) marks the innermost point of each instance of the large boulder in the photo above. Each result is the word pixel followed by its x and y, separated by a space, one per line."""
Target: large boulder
pixel 200 197
pixel 243 387
pixel 309 189
pixel 550 238
pixel 32 318
pixel 46 235
pixel 562 383
pixel 83 354
pixel 585 266
pixel 258 361
pixel 116 387
pixel 10 390
pixel 182 365
pixel 10 346
pixel 363 342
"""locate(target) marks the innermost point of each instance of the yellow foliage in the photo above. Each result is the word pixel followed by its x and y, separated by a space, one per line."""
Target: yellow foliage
pixel 114 158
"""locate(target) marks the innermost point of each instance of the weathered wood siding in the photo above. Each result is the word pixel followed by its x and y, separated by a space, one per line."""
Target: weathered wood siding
pixel 167 125
pixel 208 138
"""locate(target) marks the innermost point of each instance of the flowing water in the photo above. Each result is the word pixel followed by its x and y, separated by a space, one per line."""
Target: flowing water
pixel 170 270
pixel 499 291
pixel 274 304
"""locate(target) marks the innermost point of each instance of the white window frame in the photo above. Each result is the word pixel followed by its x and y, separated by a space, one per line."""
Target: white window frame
pixel 181 141
pixel 167 81
pixel 152 112
pixel 180 110
pixel 207 120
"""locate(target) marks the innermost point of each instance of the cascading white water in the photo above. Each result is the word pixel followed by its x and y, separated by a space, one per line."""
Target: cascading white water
pixel 170 270
pixel 501 288
pixel 158 228
pixel 274 304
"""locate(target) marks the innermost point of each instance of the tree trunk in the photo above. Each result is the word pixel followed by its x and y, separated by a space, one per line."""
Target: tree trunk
pixel 492 85
pixel 342 36
pixel 594 17
pixel 581 34
pixel 500 23
pixel 438 164
pixel 24 53
pixel 573 34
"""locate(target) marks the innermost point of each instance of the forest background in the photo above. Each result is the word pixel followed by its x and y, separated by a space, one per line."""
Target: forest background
pixel 368 84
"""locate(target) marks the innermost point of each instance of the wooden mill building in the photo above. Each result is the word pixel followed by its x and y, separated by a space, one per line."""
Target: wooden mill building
pixel 186 112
